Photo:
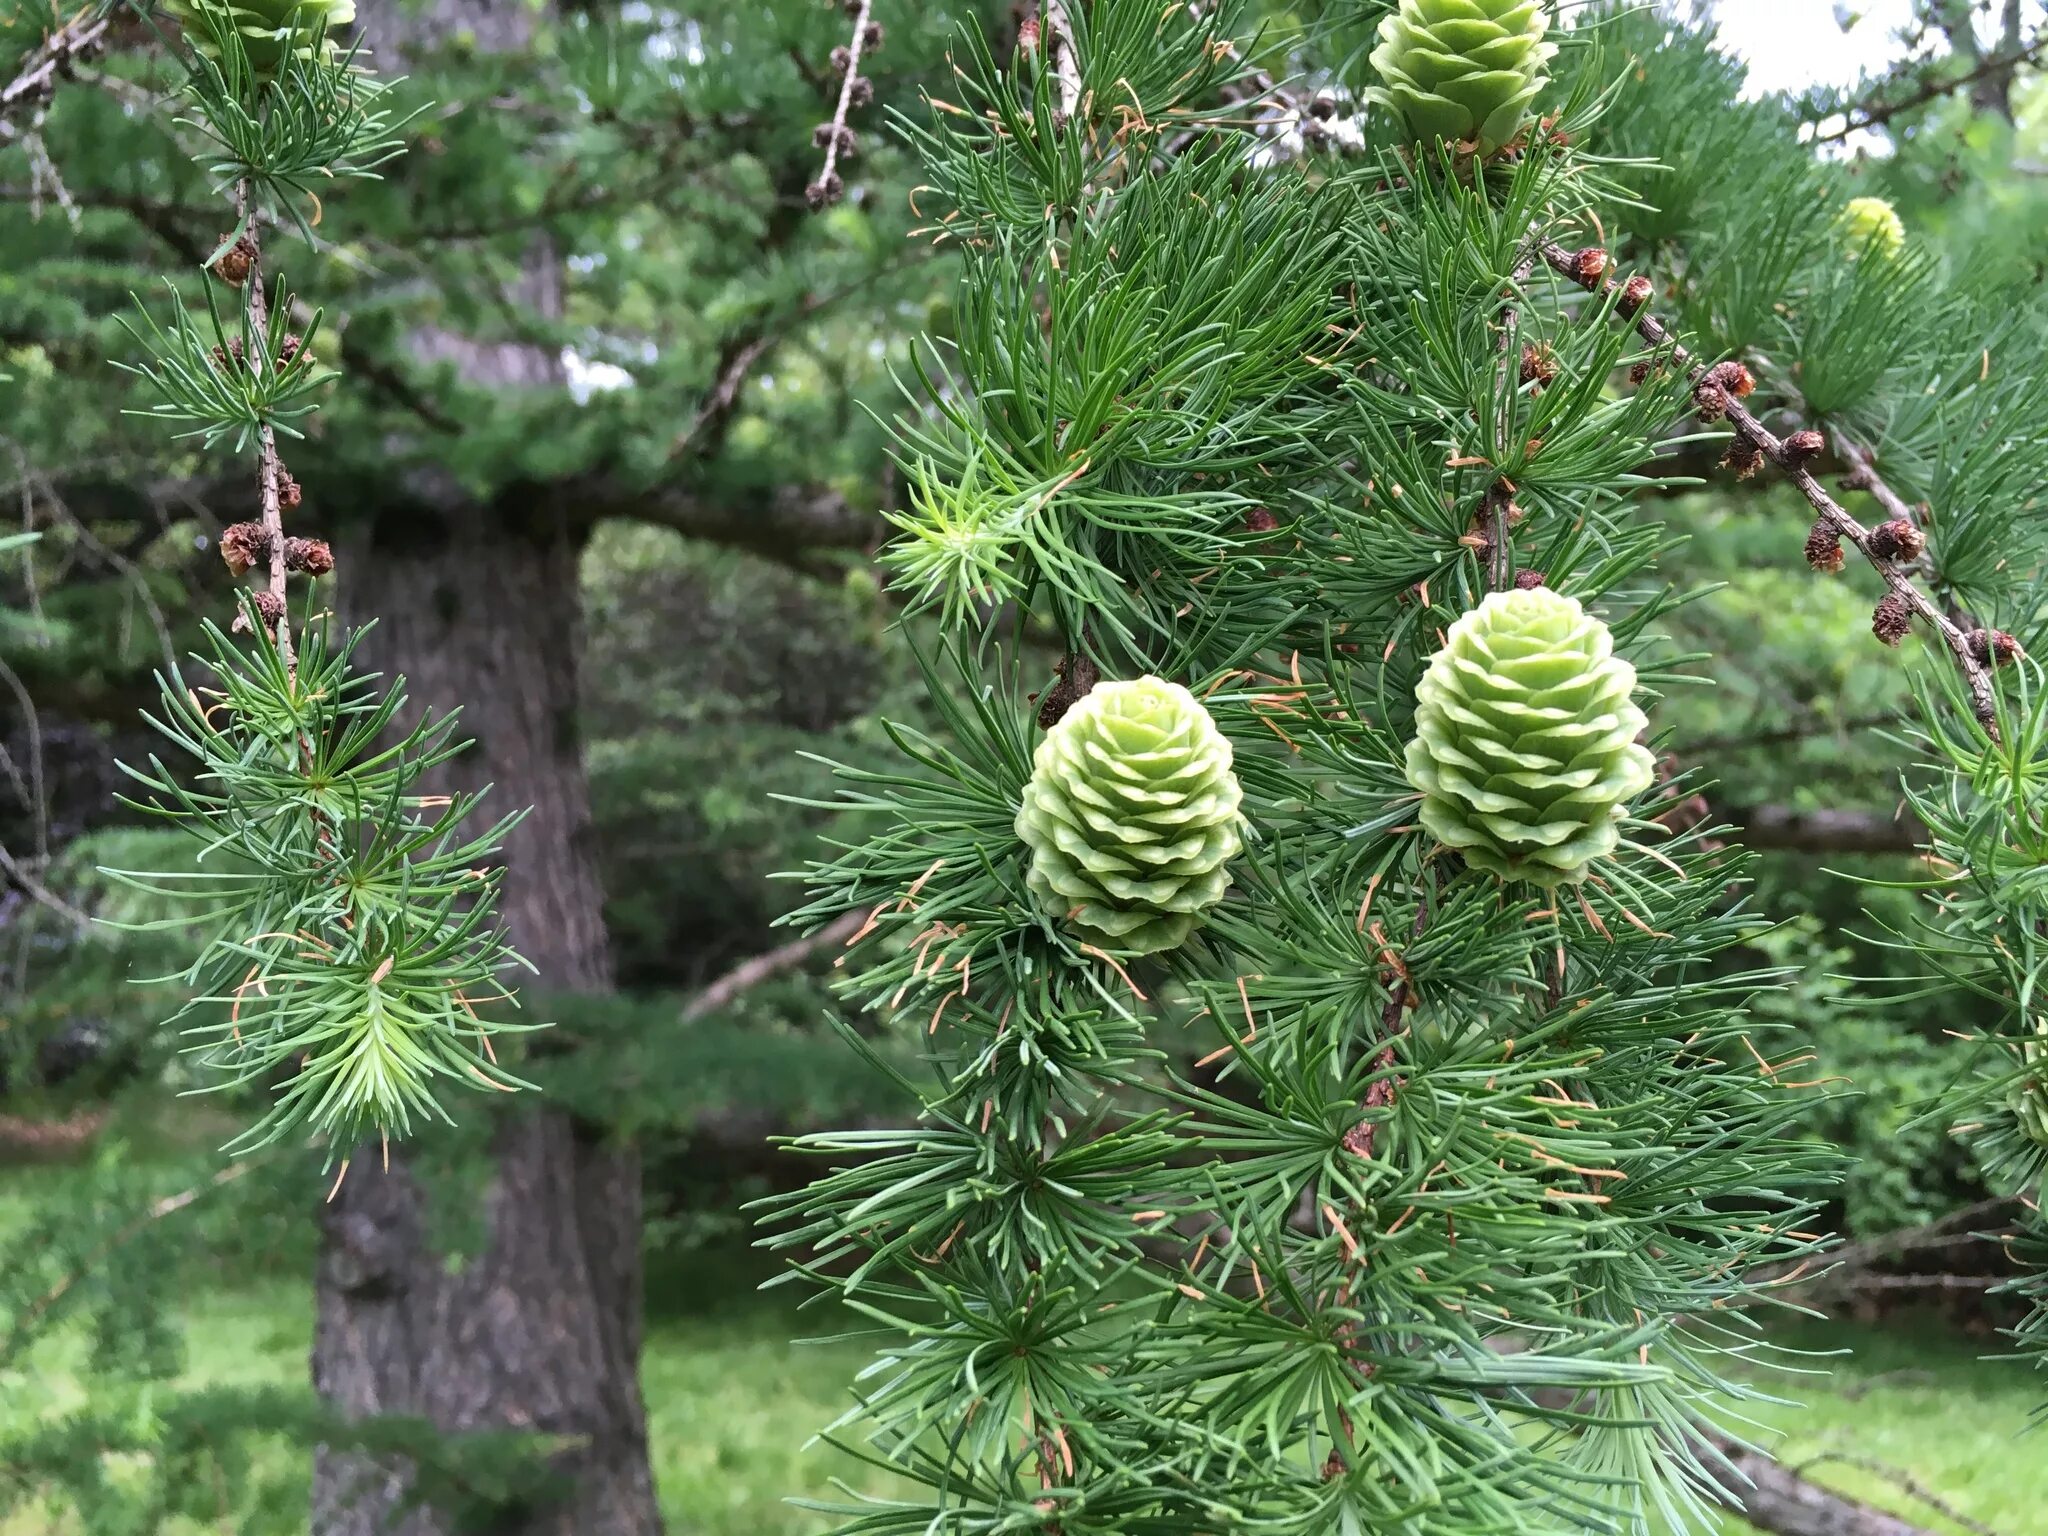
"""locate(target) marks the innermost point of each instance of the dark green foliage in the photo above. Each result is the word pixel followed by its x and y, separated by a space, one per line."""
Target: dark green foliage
pixel 353 964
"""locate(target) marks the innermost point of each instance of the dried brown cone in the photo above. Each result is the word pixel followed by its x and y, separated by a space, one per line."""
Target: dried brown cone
pixel 1027 34
pixel 841 59
pixel 1526 579
pixel 1078 675
pixel 310 557
pixel 1539 363
pixel 1743 456
pixel 231 352
pixel 1259 520
pixel 288 349
pixel 267 604
pixel 871 37
pixel 1635 293
pixel 243 545
pixel 1589 266
pixel 234 264
pixel 1639 372
pixel 288 493
pixel 1731 377
pixel 1900 539
pixel 1993 647
pixel 862 91
pixel 1805 446
pixel 1824 550
pixel 1892 617
pixel 1710 400
pixel 824 192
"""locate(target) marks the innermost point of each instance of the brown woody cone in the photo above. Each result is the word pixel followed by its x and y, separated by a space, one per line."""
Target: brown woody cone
pixel 1994 647
pixel 268 604
pixel 1743 456
pixel 310 556
pixel 1824 547
pixel 243 545
pixel 1805 446
pixel 1899 540
pixel 1892 618
pixel 1635 293
pixel 236 263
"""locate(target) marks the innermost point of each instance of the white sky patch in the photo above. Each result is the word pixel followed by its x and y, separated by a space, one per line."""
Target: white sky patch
pixel 1790 45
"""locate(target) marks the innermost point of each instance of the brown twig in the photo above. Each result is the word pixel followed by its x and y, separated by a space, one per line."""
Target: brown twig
pixel 1880 113
pixel 78 38
pixel 1498 504
pixel 1976 674
pixel 838 138
pixel 751 973
pixel 1363 1137
pixel 270 468
pixel 1066 63
pixel 1902 1481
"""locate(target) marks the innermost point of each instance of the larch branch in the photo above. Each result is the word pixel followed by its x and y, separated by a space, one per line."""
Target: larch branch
pixel 1976 674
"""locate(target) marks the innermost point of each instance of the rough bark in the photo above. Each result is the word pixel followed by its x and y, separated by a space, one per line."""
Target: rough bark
pixel 539 1330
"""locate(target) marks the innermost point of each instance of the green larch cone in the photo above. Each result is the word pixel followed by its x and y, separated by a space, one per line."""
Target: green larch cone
pixel 1131 814
pixel 268 28
pixel 2029 1096
pixel 1871 224
pixel 1463 70
pixel 1525 748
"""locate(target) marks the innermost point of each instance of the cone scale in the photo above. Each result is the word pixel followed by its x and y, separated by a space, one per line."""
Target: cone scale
pixel 1463 70
pixel 1525 748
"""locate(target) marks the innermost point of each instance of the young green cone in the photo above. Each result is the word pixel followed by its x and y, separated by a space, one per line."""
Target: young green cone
pixel 1525 748
pixel 268 28
pixel 1872 224
pixel 1131 815
pixel 1463 70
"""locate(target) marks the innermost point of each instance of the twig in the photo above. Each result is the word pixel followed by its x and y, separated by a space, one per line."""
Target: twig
pixel 1066 63
pixel 78 38
pixel 1976 674
pixel 1499 501
pixel 751 973
pixel 1877 115
pixel 838 138
pixel 270 467
pixel 1363 1137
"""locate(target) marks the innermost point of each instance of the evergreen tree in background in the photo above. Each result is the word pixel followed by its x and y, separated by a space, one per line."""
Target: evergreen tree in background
pixel 1334 466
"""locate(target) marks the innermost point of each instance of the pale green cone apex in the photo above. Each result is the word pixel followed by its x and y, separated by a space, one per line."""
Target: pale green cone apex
pixel 1131 815
pixel 1463 70
pixel 268 28
pixel 1871 224
pixel 1525 745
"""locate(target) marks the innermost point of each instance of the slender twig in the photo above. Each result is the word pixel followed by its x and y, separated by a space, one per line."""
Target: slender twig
pixel 1066 63
pixel 1499 501
pixel 1877 114
pixel 76 39
pixel 838 137
pixel 1976 674
pixel 751 973
pixel 270 467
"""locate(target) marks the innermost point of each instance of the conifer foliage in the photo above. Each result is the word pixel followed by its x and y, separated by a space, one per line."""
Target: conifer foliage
pixel 1429 1180
pixel 351 953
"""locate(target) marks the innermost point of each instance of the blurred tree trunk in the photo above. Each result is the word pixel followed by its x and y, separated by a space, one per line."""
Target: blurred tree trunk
pixel 539 1330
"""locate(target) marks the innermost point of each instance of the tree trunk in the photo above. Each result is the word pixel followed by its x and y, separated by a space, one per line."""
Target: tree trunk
pixel 539 1330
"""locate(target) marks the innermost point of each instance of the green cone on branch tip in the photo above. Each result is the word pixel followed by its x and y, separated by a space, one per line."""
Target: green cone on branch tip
pixel 1525 748
pixel 1463 70
pixel 268 28
pixel 1131 815
pixel 1872 224
pixel 2029 1096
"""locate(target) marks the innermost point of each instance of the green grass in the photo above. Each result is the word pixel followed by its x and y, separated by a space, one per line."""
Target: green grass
pixel 732 1401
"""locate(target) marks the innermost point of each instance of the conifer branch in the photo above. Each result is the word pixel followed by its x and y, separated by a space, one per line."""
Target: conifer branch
pixel 750 973
pixel 1877 114
pixel 834 136
pixel 1589 271
pixel 270 468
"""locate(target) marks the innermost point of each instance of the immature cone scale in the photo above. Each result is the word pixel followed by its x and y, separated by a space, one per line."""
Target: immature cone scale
pixel 269 28
pixel 1525 748
pixel 1463 70
pixel 1872 224
pixel 1131 816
